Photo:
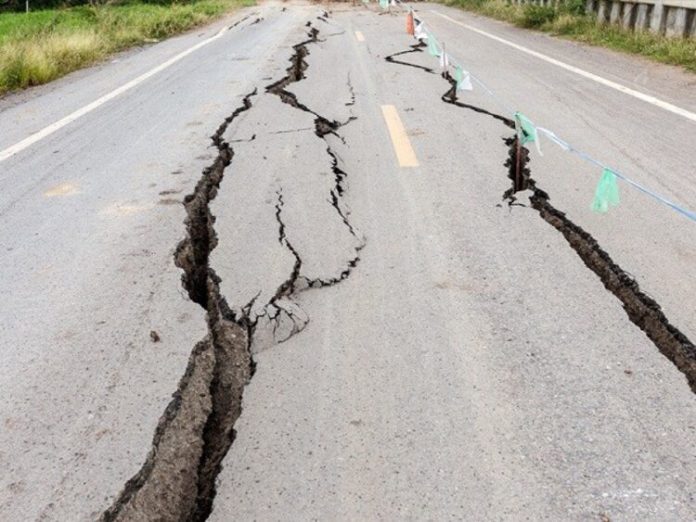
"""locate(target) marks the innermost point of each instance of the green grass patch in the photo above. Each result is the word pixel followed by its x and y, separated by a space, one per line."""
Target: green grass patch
pixel 569 20
pixel 40 46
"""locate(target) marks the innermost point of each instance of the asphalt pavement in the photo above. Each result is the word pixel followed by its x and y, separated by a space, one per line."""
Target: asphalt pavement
pixel 368 326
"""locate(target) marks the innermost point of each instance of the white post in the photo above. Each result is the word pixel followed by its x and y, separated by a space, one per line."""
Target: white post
pixel 676 22
pixel 657 20
pixel 615 12
pixel 642 19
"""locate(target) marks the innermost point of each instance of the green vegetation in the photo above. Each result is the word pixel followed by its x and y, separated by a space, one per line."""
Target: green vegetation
pixel 40 46
pixel 569 20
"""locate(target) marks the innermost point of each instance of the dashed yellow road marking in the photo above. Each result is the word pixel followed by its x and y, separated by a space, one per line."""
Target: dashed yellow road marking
pixel 360 37
pixel 402 145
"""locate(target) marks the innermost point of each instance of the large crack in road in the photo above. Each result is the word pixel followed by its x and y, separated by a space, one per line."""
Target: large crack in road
pixel 642 310
pixel 196 431
pixel 177 481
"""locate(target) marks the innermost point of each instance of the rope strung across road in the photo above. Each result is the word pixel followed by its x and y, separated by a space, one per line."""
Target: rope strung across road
pixel 606 193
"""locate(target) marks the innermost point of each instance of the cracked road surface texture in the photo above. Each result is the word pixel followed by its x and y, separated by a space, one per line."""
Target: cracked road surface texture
pixel 280 323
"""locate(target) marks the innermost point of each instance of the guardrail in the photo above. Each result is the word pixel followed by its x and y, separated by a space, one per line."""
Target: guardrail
pixel 673 18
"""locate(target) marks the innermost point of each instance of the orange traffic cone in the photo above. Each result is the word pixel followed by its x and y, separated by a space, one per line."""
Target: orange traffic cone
pixel 409 23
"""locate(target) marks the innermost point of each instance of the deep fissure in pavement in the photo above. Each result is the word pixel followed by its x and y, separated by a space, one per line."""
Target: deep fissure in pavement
pixel 196 431
pixel 230 336
pixel 177 480
pixel 642 310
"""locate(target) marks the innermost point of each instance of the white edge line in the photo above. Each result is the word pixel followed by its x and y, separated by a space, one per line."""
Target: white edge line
pixel 599 79
pixel 47 131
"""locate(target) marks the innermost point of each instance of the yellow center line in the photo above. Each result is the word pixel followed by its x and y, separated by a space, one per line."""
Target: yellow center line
pixel 402 145
pixel 360 37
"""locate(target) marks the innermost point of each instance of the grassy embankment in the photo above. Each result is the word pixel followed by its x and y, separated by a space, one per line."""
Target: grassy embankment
pixel 40 46
pixel 569 20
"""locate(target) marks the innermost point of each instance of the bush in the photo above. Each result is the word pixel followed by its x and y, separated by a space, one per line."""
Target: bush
pixel 534 16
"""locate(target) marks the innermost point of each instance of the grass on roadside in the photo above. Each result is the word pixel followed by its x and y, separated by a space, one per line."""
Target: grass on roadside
pixel 570 21
pixel 41 46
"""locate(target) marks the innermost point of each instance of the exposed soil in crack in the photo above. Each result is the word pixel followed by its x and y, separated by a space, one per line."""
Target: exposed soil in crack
pixel 641 309
pixel 192 254
pixel 160 490
pixel 177 481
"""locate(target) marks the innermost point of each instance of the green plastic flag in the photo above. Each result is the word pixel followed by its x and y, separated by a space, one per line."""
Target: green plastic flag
pixel 433 48
pixel 607 192
pixel 463 79
pixel 526 131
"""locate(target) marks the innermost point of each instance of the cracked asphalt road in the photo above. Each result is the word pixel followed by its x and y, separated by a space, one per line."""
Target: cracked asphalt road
pixel 408 345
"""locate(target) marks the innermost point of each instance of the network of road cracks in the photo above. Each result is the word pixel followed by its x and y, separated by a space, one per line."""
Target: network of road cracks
pixel 177 481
